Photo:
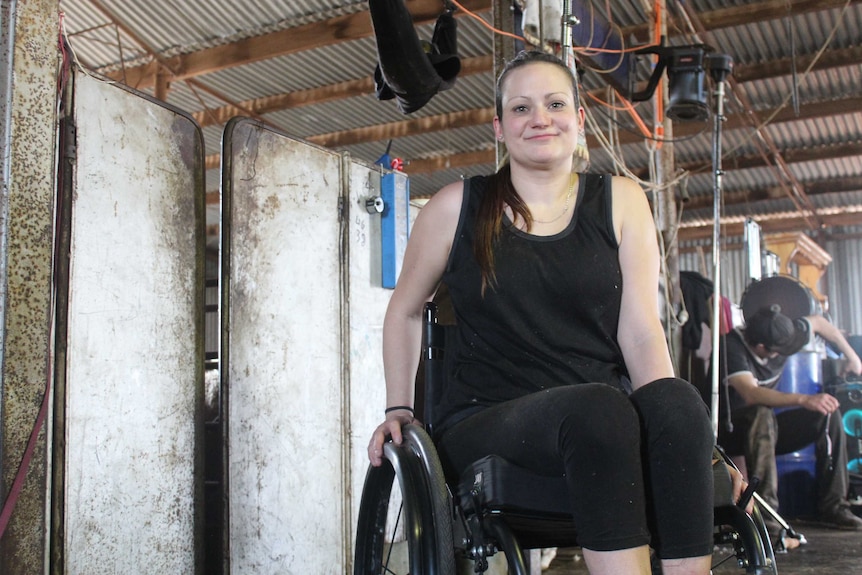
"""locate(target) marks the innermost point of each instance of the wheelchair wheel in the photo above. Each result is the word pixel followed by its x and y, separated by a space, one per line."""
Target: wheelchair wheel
pixel 415 508
pixel 757 517
pixel 744 540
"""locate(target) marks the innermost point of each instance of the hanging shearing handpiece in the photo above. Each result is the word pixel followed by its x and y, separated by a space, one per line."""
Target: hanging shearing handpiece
pixel 407 69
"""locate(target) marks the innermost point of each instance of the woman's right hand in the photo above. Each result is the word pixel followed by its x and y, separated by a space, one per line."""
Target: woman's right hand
pixel 389 428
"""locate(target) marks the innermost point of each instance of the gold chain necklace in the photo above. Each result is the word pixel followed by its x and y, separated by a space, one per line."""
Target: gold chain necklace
pixel 565 207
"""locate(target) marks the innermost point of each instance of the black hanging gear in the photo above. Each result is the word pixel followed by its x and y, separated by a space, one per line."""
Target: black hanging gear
pixel 406 69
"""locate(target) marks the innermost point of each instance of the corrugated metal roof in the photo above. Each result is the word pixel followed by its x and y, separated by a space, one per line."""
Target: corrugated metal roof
pixel 186 26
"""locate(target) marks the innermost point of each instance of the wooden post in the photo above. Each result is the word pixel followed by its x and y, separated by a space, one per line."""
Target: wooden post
pixel 163 84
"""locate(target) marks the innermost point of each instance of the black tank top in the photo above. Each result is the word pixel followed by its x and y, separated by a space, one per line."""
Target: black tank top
pixel 552 317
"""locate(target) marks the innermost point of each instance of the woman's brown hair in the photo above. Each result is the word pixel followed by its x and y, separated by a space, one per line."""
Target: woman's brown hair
pixel 500 191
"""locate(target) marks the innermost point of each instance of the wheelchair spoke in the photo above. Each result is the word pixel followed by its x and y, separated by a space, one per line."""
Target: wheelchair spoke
pixel 719 558
pixel 391 539
pixel 744 539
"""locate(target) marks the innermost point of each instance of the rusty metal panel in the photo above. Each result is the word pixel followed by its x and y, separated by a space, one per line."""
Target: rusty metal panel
pixel 135 335
pixel 282 360
pixel 28 44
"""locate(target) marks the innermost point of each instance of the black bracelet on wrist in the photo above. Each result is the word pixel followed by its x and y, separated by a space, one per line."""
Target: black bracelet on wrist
pixel 397 407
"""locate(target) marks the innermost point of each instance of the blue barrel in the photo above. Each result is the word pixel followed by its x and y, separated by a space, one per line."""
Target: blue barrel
pixel 797 488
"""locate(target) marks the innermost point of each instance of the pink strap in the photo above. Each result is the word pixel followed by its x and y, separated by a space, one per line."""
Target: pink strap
pixel 726 316
pixel 18 484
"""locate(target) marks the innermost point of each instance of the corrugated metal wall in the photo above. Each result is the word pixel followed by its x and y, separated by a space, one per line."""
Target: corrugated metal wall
pixel 697 256
pixel 843 280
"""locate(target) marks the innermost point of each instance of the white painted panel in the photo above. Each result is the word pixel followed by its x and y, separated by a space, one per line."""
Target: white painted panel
pixel 283 356
pixel 368 300
pixel 134 361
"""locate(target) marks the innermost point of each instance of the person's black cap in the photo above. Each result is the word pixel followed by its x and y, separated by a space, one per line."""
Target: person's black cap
pixel 776 331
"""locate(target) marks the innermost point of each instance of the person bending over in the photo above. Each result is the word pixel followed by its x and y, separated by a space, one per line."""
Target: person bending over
pixel 752 360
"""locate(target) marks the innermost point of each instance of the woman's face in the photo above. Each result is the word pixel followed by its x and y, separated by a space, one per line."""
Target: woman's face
pixel 541 119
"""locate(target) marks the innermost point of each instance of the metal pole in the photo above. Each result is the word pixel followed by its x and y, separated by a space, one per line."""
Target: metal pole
pixel 566 23
pixel 8 17
pixel 716 259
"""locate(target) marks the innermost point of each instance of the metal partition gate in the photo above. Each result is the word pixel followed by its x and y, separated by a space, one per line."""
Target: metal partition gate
pixel 301 364
pixel 128 390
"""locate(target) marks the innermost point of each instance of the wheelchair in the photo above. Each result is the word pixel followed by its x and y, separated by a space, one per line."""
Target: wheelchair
pixel 494 506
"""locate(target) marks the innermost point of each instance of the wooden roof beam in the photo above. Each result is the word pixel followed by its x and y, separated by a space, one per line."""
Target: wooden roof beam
pixel 784 66
pixel 337 91
pixel 809 111
pixel 281 43
pixel 484 64
pixel 769 223
pixel 738 197
pixel 358 25
pixel 749 13
pixel 464 160
pixel 406 128
pixel 479 116
pixel 793 156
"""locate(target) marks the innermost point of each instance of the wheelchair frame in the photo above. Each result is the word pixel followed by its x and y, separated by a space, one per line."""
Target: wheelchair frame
pixel 478 519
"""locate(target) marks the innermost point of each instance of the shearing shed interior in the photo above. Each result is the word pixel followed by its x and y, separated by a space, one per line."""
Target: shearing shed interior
pixel 206 204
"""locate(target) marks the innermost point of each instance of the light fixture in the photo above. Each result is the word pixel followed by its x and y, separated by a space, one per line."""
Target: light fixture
pixel 686 100
pixel 686 69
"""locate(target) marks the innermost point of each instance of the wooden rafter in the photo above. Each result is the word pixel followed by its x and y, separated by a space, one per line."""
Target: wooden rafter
pixel 338 91
pixel 193 66
pixel 483 116
pixel 280 43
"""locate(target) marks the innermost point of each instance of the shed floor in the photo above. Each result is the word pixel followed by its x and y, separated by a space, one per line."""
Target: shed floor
pixel 828 552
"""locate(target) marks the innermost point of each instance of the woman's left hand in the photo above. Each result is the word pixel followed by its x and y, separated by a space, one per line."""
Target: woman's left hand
pixel 739 485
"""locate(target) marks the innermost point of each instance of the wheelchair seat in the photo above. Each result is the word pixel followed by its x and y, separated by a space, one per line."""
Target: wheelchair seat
pixel 495 484
pixel 536 508
pixel 495 505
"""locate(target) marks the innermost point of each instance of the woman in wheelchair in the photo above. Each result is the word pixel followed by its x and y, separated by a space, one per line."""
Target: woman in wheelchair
pixel 561 363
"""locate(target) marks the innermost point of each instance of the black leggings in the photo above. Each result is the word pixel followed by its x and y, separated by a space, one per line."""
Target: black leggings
pixel 592 434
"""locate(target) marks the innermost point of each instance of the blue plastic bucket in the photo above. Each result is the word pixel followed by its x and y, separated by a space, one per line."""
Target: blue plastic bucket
pixel 797 484
pixel 797 487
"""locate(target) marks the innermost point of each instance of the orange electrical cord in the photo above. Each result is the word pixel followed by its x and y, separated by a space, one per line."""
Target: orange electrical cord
pixel 659 93
pixel 605 104
pixel 627 105
pixel 485 24
pixel 635 116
